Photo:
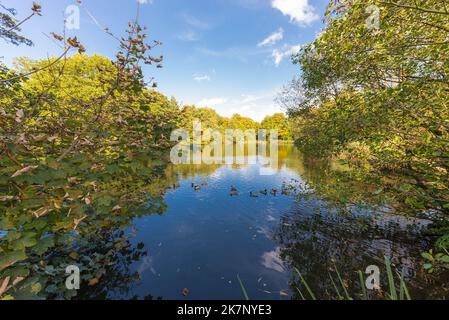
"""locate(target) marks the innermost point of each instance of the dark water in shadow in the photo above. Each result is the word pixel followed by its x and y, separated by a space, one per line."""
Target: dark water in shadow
pixel 206 238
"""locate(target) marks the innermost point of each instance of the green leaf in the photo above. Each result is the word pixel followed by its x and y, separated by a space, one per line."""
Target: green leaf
pixel 36 288
pixel 405 187
pixel 27 240
pixel 428 266
pixel 427 256
pixel 43 246
pixel 8 259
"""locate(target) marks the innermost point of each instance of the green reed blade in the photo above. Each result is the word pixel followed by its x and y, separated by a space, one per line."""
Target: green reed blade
pixel 306 285
pixel 393 293
pixel 342 283
pixel 340 297
pixel 243 288
pixel 362 284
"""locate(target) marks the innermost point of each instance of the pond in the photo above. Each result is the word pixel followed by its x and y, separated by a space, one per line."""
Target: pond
pixel 207 238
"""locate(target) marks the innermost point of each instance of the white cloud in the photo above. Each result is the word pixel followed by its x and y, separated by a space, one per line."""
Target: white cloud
pixel 299 11
pixel 255 106
pixel 194 29
pixel 272 260
pixel 189 36
pixel 280 54
pixel 195 22
pixel 272 39
pixel 213 102
pixel 200 78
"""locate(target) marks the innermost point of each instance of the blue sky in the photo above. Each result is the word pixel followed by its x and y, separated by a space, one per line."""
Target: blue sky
pixel 231 55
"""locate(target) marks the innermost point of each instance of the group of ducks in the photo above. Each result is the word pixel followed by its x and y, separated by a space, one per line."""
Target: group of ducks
pixel 234 192
pixel 197 187
pixel 264 192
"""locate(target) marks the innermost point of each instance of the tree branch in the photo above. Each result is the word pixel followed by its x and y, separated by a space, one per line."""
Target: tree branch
pixel 38 70
pixel 415 8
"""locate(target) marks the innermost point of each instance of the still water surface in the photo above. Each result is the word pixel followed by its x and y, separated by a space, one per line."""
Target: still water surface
pixel 206 238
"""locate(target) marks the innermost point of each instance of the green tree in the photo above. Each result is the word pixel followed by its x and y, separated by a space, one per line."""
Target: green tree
pixel 278 122
pixel 209 118
pixel 380 96
pixel 82 147
pixel 243 123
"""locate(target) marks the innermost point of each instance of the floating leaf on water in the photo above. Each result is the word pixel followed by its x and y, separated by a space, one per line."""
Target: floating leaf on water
pixel 265 291
pixel 185 292
pixel 283 293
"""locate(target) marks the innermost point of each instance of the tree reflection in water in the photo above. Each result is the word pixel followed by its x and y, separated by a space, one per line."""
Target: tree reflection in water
pixel 338 219
pixel 318 243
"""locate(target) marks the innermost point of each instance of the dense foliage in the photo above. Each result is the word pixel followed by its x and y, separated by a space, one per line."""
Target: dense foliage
pixel 378 98
pixel 279 122
pixel 82 142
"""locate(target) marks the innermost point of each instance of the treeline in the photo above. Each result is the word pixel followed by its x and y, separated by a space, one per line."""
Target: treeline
pixel 377 97
pixel 211 119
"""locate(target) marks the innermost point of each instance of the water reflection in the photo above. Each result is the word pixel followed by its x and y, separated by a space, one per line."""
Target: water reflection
pixel 318 244
pixel 207 237
pixel 201 239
